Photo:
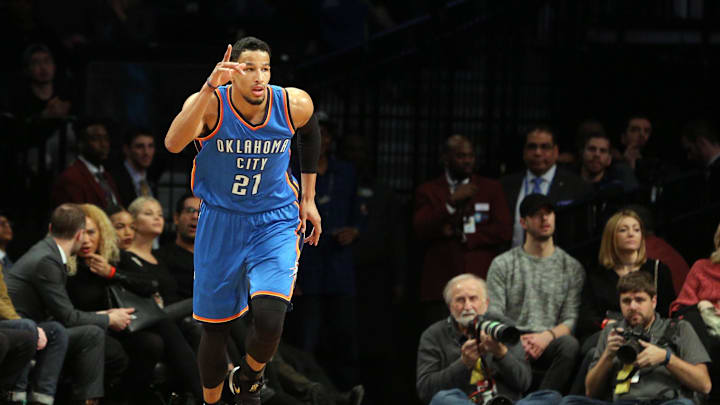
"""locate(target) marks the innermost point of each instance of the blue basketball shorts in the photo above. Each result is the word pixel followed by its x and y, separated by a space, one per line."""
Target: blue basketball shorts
pixel 238 257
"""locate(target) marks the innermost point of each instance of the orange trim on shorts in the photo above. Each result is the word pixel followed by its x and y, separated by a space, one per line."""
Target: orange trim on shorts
pixel 287 107
pixel 267 118
pixel 229 318
pixel 220 120
pixel 276 294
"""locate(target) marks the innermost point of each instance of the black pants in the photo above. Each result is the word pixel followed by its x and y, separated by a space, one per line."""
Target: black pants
pixel 17 348
pixel 160 342
pixel 557 362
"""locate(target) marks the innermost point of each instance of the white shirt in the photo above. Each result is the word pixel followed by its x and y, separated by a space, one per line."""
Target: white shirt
pixel 526 188
pixel 62 253
pixel 453 186
pixel 94 170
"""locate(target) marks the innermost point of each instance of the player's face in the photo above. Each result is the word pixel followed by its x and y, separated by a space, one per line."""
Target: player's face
pixel 467 300
pixel 628 235
pixel 540 152
pixel 187 220
pixel 638 308
pixel 150 219
pixel 141 151
pixel 92 238
pixel 253 83
pixel 596 155
pixel 123 223
pixel 540 225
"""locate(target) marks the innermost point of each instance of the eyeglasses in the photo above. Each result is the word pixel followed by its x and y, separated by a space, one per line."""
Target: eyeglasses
pixel 190 210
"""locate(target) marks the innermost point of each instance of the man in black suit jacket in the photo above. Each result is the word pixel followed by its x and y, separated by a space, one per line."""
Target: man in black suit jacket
pixel 36 284
pixel 132 176
pixel 567 190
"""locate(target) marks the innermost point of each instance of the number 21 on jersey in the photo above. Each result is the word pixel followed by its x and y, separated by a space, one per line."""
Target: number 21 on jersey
pixel 242 183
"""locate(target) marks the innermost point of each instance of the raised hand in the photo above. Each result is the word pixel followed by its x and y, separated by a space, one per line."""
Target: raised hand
pixel 225 69
pixel 98 265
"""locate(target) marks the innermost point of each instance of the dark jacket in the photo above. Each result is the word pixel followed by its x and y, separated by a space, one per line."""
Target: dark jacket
pixel 570 194
pixel 36 284
pixel 77 185
pixel 447 257
pixel 439 364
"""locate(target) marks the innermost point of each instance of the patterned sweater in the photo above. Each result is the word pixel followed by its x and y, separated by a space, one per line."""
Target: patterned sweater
pixel 538 293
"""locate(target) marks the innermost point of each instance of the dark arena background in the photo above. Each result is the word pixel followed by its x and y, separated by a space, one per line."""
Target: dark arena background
pixel 400 76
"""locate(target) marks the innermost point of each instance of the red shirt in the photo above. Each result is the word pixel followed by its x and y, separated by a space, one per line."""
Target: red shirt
pixel 702 283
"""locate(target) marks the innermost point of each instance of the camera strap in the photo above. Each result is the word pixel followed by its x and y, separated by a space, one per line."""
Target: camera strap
pixel 622 380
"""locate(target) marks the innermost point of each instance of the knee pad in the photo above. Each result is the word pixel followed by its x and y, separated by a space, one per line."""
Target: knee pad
pixel 211 356
pixel 268 316
pixel 264 336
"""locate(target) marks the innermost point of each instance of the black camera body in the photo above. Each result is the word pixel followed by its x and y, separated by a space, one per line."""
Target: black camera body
pixel 627 353
pixel 495 329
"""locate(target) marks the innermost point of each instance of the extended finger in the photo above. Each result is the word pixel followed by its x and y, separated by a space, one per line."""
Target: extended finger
pixel 228 52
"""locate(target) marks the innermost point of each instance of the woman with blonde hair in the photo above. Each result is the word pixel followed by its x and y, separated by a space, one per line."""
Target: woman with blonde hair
pixel 622 251
pixel 99 264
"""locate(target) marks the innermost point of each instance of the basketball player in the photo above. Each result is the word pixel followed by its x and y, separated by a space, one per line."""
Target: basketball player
pixel 252 218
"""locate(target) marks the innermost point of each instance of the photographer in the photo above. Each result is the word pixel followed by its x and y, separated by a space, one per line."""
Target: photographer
pixel 451 358
pixel 669 359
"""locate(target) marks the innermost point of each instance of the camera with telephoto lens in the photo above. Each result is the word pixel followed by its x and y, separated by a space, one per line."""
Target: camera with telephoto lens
pixel 495 329
pixel 627 353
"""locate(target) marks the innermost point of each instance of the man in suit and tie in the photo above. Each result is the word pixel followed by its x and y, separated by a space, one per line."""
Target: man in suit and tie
pixel 464 220
pixel 36 285
pixel 86 180
pixel 567 190
pixel 131 176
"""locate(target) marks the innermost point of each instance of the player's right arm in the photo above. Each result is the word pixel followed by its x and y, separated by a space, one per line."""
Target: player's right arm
pixel 199 111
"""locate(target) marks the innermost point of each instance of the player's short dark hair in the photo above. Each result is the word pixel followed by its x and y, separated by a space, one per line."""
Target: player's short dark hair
pixel 249 44
pixel 636 281
pixel 700 129
pixel 541 128
pixel 66 220
pixel 180 204
pixel 133 132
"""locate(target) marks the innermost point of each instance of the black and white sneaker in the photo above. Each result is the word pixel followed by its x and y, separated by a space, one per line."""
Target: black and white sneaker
pixel 246 391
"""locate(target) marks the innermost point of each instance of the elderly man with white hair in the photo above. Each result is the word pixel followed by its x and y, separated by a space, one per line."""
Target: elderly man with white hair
pixel 453 365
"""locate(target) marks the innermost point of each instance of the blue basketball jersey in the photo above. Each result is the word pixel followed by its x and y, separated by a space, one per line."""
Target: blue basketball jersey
pixel 243 167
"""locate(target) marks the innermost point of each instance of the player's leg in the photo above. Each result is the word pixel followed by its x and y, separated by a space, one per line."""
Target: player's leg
pixel 212 359
pixel 220 292
pixel 272 268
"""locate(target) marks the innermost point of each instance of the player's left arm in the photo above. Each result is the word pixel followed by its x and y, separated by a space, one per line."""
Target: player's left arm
pixel 301 110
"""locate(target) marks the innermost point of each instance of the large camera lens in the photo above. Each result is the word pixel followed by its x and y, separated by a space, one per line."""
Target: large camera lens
pixel 500 332
pixel 628 352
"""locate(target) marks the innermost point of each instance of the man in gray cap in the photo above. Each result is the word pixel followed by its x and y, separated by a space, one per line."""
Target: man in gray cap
pixel 538 286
